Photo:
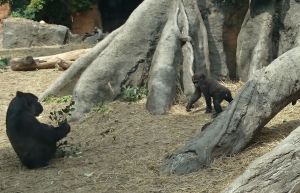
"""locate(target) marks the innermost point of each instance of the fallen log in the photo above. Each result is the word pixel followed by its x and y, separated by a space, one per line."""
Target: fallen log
pixel 61 61
pixel 276 171
pixel 260 99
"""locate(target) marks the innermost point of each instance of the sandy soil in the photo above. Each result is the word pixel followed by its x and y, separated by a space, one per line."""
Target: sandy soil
pixel 122 149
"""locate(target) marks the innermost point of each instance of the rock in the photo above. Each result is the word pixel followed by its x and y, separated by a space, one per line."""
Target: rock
pixel 255 40
pixel 214 19
pixel 289 31
pixel 222 20
pixel 19 32
pixel 94 37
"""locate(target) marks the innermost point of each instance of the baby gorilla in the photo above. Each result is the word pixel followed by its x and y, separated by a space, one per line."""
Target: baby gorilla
pixel 34 142
pixel 210 89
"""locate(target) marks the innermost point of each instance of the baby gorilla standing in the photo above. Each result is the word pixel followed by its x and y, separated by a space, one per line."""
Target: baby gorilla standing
pixel 210 89
pixel 34 142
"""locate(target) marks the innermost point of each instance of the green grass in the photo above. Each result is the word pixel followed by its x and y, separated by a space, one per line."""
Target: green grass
pixel 133 94
pixel 101 108
pixel 4 63
pixel 55 99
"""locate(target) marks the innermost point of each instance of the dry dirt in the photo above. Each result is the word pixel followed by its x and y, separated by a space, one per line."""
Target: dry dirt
pixel 122 149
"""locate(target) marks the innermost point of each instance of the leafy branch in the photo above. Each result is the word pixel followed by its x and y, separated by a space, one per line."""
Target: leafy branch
pixel 61 116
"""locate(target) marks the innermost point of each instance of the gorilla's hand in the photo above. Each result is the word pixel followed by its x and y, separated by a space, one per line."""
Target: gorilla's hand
pixel 189 107
pixel 65 126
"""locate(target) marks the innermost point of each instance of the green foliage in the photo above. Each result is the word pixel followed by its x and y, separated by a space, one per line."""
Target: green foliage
pixel 133 94
pixel 60 116
pixel 4 63
pixel 51 11
pixel 81 5
pixel 54 99
pixel 5 1
pixel 101 108
pixel 34 7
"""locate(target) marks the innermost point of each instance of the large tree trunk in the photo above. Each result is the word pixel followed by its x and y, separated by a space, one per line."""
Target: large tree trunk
pixel 258 102
pixel 277 171
pixel 254 48
pixel 148 51
pixel 270 28
pixel 162 44
pixel 289 30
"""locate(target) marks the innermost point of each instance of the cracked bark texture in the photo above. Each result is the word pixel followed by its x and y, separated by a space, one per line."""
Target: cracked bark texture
pixel 276 171
pixel 260 99
pixel 254 48
pixel 160 51
pixel 289 28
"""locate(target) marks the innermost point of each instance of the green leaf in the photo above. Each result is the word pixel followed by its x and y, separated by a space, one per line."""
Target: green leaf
pixel 88 174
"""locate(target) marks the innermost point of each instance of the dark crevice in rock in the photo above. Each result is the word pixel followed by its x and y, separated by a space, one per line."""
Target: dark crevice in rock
pixel 114 13
pixel 235 12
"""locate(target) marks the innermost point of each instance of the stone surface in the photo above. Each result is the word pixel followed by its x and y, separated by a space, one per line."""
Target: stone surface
pixel 289 30
pixel 276 171
pixel 255 40
pixel 19 32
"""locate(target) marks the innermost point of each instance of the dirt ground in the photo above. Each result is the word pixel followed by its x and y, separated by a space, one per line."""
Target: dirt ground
pixel 122 149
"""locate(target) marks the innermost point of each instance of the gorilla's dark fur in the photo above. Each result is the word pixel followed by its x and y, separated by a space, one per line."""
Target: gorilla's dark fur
pixel 34 142
pixel 211 89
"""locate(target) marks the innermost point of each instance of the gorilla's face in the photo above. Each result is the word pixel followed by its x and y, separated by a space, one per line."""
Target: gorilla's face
pixel 228 97
pixel 197 78
pixel 32 103
pixel 37 108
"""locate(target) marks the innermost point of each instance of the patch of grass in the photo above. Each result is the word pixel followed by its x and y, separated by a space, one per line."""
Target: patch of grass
pixel 133 94
pixel 55 99
pixel 101 108
pixel 4 63
pixel 60 116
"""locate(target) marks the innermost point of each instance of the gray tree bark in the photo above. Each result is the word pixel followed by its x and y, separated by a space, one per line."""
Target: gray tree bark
pixel 257 103
pixel 148 51
pixel 276 171
pixel 163 43
pixel 289 30
pixel 270 28
pixel 254 47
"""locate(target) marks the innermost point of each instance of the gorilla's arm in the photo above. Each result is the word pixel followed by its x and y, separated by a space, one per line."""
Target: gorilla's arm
pixel 196 95
pixel 46 132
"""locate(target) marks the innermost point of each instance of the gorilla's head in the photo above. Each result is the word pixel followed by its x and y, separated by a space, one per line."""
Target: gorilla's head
pixel 198 77
pixel 30 102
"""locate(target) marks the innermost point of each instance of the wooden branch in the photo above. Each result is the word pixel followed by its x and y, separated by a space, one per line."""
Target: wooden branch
pixel 61 61
pixel 23 64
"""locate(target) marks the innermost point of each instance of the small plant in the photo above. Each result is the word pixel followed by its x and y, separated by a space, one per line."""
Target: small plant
pixel 4 63
pixel 101 108
pixel 65 149
pixel 133 94
pixel 60 116
pixel 54 99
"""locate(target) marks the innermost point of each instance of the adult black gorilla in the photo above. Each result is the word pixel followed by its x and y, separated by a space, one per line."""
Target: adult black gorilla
pixel 211 89
pixel 34 142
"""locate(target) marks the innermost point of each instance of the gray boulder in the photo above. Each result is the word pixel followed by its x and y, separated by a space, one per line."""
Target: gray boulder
pixel 289 31
pixel 20 32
